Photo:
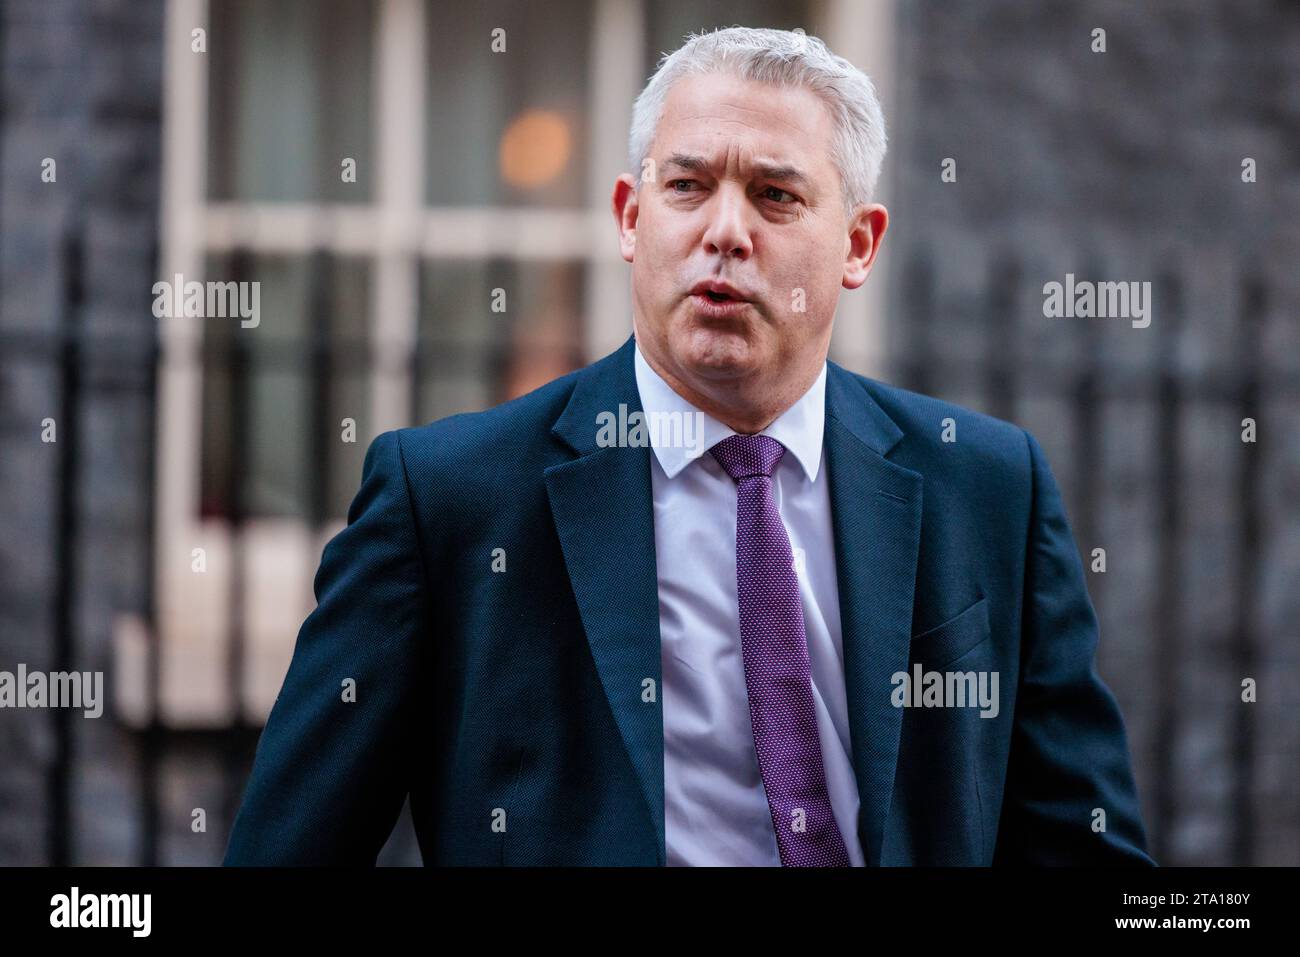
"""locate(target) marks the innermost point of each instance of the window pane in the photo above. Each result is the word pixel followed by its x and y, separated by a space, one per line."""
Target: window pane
pixel 289 99
pixel 275 394
pixel 508 128
pixel 472 357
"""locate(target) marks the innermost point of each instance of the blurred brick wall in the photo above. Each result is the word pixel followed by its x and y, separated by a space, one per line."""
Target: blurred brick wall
pixel 1126 165
pixel 81 84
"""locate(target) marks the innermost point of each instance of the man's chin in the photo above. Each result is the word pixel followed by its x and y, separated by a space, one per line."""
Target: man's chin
pixel 719 353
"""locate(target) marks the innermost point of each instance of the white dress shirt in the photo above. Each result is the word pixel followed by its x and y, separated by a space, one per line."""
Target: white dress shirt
pixel 715 807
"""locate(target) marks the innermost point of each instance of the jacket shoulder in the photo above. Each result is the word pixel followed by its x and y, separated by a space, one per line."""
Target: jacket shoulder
pixel 952 439
pixel 513 436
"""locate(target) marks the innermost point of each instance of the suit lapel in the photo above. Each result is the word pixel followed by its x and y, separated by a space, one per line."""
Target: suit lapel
pixel 876 516
pixel 603 509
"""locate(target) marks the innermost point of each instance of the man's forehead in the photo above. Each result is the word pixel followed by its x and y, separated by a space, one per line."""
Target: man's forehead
pixel 715 119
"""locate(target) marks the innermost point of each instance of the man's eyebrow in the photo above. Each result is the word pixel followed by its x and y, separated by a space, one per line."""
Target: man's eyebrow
pixel 777 171
pixel 783 173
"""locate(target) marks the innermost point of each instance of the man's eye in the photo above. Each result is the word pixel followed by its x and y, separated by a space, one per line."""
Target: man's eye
pixel 674 183
pixel 776 189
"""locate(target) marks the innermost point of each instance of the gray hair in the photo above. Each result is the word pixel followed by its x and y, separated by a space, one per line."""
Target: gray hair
pixel 784 58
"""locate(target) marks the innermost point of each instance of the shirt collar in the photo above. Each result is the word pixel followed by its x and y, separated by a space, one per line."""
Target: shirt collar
pixel 799 428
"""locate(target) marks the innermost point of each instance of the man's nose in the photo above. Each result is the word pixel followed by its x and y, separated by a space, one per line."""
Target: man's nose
pixel 728 231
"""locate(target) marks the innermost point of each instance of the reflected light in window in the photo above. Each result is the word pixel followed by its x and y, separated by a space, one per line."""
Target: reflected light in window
pixel 535 148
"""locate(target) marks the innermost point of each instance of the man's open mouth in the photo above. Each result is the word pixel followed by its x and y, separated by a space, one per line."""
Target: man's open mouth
pixel 718 292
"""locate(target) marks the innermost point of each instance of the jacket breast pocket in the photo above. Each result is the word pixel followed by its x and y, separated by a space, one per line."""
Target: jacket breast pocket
pixel 945 643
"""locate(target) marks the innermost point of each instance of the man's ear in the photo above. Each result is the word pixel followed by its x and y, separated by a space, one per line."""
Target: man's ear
pixel 867 229
pixel 625 212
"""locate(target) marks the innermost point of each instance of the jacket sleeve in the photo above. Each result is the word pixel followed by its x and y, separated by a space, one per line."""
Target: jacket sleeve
pixel 1069 754
pixel 331 769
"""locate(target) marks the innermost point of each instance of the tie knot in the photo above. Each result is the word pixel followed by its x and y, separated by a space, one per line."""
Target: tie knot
pixel 744 456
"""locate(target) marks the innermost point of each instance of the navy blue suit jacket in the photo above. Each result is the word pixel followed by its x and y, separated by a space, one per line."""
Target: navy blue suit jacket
pixel 512 706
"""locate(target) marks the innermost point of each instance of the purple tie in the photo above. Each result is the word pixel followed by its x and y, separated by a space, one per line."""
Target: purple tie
pixel 777 674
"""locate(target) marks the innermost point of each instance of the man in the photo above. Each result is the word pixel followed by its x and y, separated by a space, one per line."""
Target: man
pixel 855 632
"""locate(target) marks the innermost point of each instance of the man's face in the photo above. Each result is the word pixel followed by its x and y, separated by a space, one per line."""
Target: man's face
pixel 743 191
